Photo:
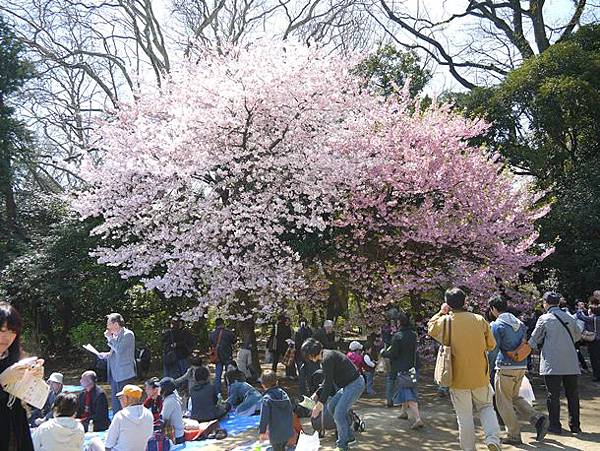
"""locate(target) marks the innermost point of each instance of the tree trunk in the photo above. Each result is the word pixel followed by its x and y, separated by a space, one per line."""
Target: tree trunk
pixel 6 176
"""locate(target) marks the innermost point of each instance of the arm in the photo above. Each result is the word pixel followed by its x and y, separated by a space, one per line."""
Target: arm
pixel 113 433
pixel 101 408
pixel 583 317
pixel 490 342
pixel 435 327
pixel 327 387
pixel 182 381
pixel 36 439
pixel 538 335
pixel 265 414
pixel 368 361
pixel 394 350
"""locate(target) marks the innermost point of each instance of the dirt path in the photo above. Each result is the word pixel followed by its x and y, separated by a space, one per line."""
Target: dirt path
pixel 386 432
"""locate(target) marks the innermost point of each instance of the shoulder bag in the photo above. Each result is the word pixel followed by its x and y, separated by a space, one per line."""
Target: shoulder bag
pixel 443 364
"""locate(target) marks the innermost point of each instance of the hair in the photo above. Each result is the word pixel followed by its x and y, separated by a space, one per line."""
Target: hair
pixel 153 382
pixel 196 360
pixel 498 302
pixel 552 298
pixel 116 318
pixel 311 347
pixel 455 298
pixel 219 322
pixel 268 379
pixel 66 404
pixel 403 318
pixel 10 317
pixel 201 374
pixel 91 374
pixel 593 301
pixel 232 376
pixel 303 320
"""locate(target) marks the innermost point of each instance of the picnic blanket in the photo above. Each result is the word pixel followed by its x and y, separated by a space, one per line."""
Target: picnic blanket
pixel 233 424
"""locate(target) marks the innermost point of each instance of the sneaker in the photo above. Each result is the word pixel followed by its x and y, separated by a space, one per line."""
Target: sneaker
pixel 352 441
pixel 494 447
pixel 576 430
pixel 418 424
pixel 403 415
pixel 511 441
pixel 541 428
pixel 557 431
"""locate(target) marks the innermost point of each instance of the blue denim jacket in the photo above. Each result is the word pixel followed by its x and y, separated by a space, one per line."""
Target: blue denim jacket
pixel 509 333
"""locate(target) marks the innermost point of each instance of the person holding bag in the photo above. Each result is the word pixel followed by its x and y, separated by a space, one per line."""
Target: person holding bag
pixel 222 341
pixel 14 428
pixel 556 333
pixel 468 341
pixel 511 365
pixel 402 381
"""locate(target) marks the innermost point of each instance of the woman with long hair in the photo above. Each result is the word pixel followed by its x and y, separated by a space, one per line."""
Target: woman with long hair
pixel 14 429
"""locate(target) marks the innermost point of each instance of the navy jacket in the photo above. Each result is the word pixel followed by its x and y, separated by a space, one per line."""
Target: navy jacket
pixel 204 402
pixel 225 347
pixel 276 414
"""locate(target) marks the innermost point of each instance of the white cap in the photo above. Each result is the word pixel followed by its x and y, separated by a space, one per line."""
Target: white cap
pixel 355 346
pixel 56 377
pixel 328 323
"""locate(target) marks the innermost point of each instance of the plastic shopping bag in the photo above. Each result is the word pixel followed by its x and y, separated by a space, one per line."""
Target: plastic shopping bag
pixel 308 442
pixel 526 391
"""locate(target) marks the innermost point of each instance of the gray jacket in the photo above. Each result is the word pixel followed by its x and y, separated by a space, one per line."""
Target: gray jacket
pixel 172 414
pixel 558 356
pixel 121 361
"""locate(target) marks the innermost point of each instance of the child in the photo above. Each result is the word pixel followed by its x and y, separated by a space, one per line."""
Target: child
pixel 355 355
pixel 369 369
pixel 241 396
pixel 154 401
pixel 276 413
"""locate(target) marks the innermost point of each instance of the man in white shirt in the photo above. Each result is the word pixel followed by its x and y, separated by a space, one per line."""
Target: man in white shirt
pixel 133 425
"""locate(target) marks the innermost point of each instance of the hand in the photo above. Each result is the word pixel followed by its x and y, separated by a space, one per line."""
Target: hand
pixel 445 308
pixel 39 421
pixel 263 437
pixel 107 334
pixel 103 355
pixel 315 397
pixel 16 371
pixel 316 411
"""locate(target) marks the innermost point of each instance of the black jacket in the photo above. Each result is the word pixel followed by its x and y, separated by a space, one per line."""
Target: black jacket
pixel 278 340
pixel 14 429
pixel 326 339
pixel 183 340
pixel 204 402
pixel 99 409
pixel 225 347
pixel 402 351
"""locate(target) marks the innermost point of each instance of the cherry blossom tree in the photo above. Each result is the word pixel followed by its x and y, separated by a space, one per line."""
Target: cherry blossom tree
pixel 267 175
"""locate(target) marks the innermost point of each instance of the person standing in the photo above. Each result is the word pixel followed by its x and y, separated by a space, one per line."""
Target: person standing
pixel 280 334
pixel 14 428
pixel 510 333
pixel 470 339
pixel 178 345
pixel 556 334
pixel 403 363
pixel 303 333
pixel 326 335
pixel 62 432
pixel 120 358
pixel 244 356
pixel 592 324
pixel 93 404
pixel 341 388
pixel 222 340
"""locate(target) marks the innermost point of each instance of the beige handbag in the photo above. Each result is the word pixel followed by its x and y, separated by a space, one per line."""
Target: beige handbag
pixel 443 365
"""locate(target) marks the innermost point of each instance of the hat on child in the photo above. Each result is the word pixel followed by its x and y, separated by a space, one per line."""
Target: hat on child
pixel 131 391
pixel 56 377
pixel 355 346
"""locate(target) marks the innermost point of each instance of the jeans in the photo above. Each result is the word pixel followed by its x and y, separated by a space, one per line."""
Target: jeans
pixel 463 401
pixel 390 386
pixel 507 384
pixel 339 406
pixel 553 387
pixel 250 404
pixel 218 376
pixel 278 446
pixel 116 387
pixel 369 375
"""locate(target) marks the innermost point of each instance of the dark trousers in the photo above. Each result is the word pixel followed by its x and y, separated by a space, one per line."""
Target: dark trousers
pixel 278 446
pixel 554 386
pixel 594 350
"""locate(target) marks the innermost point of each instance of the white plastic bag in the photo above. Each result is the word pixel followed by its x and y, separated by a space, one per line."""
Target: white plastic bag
pixel 308 442
pixel 526 391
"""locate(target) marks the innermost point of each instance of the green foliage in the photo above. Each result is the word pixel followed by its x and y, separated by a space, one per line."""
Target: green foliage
pixel 388 69
pixel 546 122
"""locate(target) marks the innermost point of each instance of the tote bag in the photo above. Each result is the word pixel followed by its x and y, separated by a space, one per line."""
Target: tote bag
pixel 443 365
pixel 308 442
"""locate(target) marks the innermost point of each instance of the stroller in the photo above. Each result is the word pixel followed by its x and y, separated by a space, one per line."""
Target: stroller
pixel 324 421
